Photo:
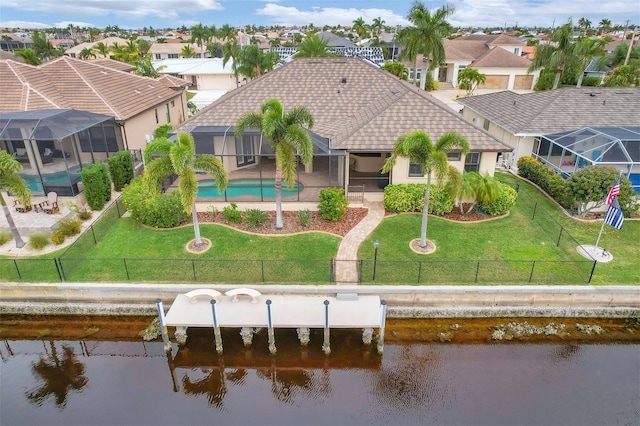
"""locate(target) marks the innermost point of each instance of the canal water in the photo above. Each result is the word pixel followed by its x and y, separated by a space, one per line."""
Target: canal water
pixel 99 372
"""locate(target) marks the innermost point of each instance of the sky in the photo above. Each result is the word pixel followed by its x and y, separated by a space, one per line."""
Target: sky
pixel 176 13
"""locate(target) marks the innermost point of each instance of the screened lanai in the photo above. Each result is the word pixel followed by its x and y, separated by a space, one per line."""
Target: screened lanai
pixel 568 152
pixel 250 163
pixel 54 145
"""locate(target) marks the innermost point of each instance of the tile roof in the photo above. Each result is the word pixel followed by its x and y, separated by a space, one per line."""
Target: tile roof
pixel 72 83
pixel 367 112
pixel 498 57
pixel 109 41
pixel 116 65
pixel 557 110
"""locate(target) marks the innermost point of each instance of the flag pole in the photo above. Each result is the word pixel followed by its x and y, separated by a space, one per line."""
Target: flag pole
pixel 603 220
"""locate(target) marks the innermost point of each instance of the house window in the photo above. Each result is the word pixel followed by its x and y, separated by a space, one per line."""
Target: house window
pixel 461 67
pixel 453 156
pixel 172 56
pixel 244 151
pixel 173 103
pixel 517 51
pixel 158 56
pixel 167 113
pixel 472 162
pixel 156 113
pixel 415 170
pixel 486 124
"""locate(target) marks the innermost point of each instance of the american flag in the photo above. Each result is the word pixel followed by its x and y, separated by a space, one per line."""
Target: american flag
pixel 614 215
pixel 613 192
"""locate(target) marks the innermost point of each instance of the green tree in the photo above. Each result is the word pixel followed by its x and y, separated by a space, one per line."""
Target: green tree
pixel 480 188
pixel 230 51
pixel 11 182
pixel 165 158
pixel 586 24
pixel 227 32
pixel 86 53
pixel 253 62
pixel 145 68
pixel 200 36
pixel 286 135
pixel 360 27
pixel 623 76
pixel 101 49
pixel 561 53
pixel 313 46
pixel 188 52
pixel 590 186
pixel 432 159
pixel 604 25
pixel 378 25
pixel 426 34
pixel 396 68
pixel 43 47
pixel 28 55
pixel 469 79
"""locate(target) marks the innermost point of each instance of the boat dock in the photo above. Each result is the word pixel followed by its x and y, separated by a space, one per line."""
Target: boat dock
pixel 249 310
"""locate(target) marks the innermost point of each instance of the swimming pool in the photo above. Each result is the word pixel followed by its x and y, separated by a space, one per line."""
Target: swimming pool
pixel 56 178
pixel 208 188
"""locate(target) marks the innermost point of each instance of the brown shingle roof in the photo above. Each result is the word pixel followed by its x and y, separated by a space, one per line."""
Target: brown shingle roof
pixel 367 113
pixel 72 83
pixel 558 110
pixel 500 58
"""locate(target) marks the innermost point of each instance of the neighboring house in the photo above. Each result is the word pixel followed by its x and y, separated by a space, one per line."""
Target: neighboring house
pixel 592 71
pixel 139 105
pixel 531 122
pixel 359 112
pixel 11 42
pixel 161 51
pixel 498 57
pixel 74 51
pixel 207 76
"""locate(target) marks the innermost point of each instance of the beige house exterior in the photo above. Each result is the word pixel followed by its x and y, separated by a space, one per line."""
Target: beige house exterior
pixel 138 104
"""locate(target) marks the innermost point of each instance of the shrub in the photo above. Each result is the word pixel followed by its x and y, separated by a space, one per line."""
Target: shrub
pixel 591 81
pixel 304 217
pixel 38 241
pixel 84 214
pixel 590 185
pixel 548 180
pixel 69 227
pixel 333 204
pixel 97 185
pixel 121 169
pixel 57 238
pixel 410 198
pixel 505 201
pixel 152 208
pixel 162 131
pixel 255 218
pixel 232 214
pixel 5 237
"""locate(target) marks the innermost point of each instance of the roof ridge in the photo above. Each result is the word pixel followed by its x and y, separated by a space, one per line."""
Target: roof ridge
pixel 542 107
pixel 26 87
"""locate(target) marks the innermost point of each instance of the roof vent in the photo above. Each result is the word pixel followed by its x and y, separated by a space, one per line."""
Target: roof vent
pixel 593 95
pixel 344 80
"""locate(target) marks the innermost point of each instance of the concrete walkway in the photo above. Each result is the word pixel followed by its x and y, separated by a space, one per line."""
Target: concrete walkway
pixel 346 269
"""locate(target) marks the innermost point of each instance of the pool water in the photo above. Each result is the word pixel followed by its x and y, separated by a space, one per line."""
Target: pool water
pixel 35 184
pixel 265 188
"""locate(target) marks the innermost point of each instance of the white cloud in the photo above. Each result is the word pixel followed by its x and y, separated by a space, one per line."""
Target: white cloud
pixel 65 24
pixel 24 24
pixel 327 15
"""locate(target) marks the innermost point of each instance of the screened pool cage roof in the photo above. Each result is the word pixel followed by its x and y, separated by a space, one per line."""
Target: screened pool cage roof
pixel 320 144
pixel 47 124
pixel 601 145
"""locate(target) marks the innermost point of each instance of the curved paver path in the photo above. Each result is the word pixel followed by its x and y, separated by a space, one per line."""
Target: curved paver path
pixel 346 260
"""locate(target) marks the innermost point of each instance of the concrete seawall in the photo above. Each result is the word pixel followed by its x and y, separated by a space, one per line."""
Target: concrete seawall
pixel 403 301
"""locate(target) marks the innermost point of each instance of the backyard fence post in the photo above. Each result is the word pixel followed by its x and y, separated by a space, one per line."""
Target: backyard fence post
pixel 118 209
pixel 360 271
pixel 55 262
pixel 593 269
pixel 126 270
pixel 95 241
pixel 559 237
pixel 15 263
pixel 535 206
pixel 332 270
pixel 533 265
pixel 477 271
pixel 262 269
pixel 419 271
pixel 64 278
pixel 193 268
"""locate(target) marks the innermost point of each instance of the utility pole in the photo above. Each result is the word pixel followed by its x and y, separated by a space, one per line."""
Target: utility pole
pixel 633 35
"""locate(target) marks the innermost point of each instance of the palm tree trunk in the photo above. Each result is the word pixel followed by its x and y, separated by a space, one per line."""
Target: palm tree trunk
pixel 12 224
pixel 425 213
pixel 279 223
pixel 423 77
pixel 196 225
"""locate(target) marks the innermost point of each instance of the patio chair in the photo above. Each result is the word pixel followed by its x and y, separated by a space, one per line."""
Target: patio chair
pixel 50 206
pixel 20 208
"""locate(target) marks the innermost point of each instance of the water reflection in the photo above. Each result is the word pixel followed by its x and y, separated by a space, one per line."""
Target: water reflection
pixel 57 375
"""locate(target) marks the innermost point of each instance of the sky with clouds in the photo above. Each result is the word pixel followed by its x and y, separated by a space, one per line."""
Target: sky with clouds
pixel 175 13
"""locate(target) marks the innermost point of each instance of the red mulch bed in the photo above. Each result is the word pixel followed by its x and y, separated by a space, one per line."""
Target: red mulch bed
pixel 317 223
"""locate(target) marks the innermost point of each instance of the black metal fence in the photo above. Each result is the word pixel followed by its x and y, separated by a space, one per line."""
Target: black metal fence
pixel 73 266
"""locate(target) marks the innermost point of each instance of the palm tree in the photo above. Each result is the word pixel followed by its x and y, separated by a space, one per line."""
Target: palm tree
pixel 359 27
pixel 253 62
pixel 145 68
pixel 102 49
pixel 10 181
pixel 481 188
pixel 86 53
pixel 378 25
pixel 584 23
pixel 426 35
pixel 230 51
pixel 313 46
pixel 179 158
pixel 432 159
pixel 396 68
pixel 286 135
pixel 188 52
pixel 199 36
pixel 28 55
pixel 604 25
pixel 557 57
pixel 227 32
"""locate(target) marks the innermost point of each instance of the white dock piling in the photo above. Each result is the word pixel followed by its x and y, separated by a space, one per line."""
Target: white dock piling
pixel 326 345
pixel 163 325
pixel 217 336
pixel 272 337
pixel 383 318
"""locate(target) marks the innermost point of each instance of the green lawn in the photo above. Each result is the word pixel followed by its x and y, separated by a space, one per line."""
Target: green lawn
pixel 510 250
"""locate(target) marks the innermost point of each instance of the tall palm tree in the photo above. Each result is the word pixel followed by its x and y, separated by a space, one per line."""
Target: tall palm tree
pixel 426 34
pixel 313 46
pixel 179 158
pixel 378 25
pixel 199 36
pixel 227 32
pixel 360 27
pixel 604 25
pixel 230 51
pixel 253 62
pixel 565 51
pixel 10 181
pixel 28 55
pixel 86 53
pixel 432 159
pixel 584 23
pixel 285 133
pixel 188 52
pixel 102 49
